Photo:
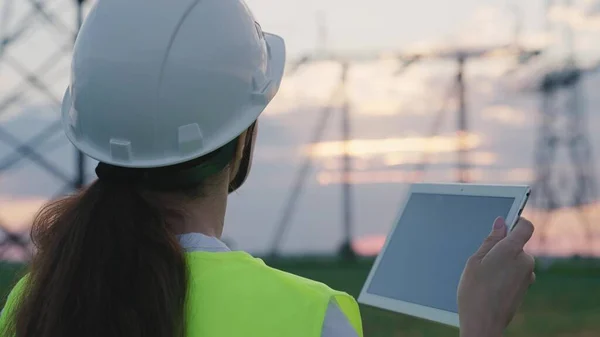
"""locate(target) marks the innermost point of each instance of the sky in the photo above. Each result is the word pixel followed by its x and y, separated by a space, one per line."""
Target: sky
pixel 392 111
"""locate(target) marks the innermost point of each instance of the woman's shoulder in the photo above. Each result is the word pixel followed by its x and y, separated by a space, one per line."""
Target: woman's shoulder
pixel 12 300
pixel 231 267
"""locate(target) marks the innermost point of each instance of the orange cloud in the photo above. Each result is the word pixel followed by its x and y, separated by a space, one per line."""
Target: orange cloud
pixel 519 175
pixel 16 214
pixel 365 148
pixel 505 114
pixel 369 177
pixel 574 16
pixel 392 176
pixel 475 158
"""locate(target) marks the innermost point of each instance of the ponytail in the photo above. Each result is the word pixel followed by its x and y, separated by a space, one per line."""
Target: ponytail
pixel 107 265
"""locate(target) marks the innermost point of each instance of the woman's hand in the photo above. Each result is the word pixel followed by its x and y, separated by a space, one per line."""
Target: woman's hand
pixel 495 281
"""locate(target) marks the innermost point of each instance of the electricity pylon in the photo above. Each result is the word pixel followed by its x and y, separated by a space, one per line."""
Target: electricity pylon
pixel 571 185
pixel 39 10
pixel 459 55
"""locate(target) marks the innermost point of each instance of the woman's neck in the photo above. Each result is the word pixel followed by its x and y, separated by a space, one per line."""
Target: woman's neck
pixel 204 215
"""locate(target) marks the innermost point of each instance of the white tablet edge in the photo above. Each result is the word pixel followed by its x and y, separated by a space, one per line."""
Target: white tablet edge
pixel 520 193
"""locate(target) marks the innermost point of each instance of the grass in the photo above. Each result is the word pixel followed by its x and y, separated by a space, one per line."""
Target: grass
pixel 565 301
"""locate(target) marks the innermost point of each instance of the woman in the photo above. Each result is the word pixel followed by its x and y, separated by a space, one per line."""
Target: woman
pixel 166 97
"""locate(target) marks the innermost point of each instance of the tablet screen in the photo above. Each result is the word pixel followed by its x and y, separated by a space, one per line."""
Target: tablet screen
pixel 427 251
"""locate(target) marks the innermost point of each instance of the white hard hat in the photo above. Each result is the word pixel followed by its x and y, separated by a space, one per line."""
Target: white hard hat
pixel 156 83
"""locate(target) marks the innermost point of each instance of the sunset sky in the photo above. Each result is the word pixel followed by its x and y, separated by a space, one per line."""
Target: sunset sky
pixel 391 113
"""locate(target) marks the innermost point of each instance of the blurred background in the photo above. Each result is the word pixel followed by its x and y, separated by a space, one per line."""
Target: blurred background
pixel 377 94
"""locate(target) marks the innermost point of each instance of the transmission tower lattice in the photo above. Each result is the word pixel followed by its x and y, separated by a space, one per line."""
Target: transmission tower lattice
pixel 563 126
pixel 14 29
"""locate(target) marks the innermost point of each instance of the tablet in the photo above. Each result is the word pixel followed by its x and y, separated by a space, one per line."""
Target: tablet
pixel 438 228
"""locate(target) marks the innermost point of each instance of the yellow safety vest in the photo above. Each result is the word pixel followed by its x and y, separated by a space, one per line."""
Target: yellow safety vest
pixel 232 294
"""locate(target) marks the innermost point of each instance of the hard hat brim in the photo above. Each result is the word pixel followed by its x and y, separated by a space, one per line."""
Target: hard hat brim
pixel 277 55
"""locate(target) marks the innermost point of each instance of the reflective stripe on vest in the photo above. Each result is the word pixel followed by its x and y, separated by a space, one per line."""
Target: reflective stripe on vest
pixel 232 294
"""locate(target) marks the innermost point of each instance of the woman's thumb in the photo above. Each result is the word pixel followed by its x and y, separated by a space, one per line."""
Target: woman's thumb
pixel 498 233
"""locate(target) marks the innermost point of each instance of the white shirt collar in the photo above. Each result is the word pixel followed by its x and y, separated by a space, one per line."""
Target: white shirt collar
pixel 194 242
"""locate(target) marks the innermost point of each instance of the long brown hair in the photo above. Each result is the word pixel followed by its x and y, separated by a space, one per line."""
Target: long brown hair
pixel 107 265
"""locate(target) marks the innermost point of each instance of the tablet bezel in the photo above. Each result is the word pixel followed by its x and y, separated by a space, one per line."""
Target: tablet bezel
pixel 519 192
